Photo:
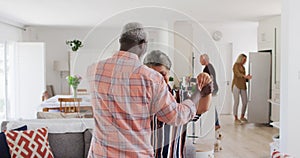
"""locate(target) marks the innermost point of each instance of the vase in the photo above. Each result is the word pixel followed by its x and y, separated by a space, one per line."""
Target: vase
pixel 74 91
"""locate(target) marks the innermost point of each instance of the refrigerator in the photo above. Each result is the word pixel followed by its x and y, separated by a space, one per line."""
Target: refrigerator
pixel 259 87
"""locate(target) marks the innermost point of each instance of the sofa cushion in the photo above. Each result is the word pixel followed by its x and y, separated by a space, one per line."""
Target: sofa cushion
pixel 87 141
pixel 4 149
pixel 29 143
pixel 67 145
pixel 57 115
pixel 55 125
pixel 68 137
pixel 3 125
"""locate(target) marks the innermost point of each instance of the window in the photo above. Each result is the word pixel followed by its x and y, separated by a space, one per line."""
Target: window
pixel 2 82
pixel 6 50
pixel 22 79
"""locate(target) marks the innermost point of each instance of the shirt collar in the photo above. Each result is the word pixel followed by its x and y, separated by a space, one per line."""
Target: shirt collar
pixel 126 55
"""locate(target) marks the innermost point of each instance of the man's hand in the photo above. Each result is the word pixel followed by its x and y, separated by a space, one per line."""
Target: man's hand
pixel 205 85
pixel 203 79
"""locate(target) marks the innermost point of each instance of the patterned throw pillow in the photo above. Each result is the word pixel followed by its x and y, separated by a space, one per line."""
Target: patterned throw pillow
pixel 4 149
pixel 29 143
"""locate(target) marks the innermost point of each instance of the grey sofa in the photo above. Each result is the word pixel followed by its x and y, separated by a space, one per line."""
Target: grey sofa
pixel 65 144
pixel 70 145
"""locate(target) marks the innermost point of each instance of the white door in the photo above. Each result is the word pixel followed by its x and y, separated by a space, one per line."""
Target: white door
pixel 259 87
pixel 225 95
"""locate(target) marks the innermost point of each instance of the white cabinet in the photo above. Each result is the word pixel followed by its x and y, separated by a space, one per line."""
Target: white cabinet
pixel 275 110
pixel 275 104
pixel 269 31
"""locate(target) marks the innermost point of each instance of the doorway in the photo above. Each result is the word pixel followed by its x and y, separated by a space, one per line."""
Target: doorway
pixel 224 105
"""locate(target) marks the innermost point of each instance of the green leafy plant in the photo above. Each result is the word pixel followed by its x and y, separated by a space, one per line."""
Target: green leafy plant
pixel 74 80
pixel 74 44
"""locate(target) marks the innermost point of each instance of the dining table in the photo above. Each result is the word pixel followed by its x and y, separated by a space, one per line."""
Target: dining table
pixel 52 104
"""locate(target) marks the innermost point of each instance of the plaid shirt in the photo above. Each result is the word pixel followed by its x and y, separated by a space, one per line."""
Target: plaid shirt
pixel 125 96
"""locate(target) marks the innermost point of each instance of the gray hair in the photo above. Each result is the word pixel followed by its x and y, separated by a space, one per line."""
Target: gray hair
pixel 133 32
pixel 205 57
pixel 157 58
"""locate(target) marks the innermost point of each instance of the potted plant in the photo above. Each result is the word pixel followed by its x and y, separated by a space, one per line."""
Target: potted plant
pixel 74 44
pixel 73 81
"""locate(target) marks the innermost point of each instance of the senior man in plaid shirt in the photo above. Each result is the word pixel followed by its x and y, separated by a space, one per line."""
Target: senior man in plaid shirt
pixel 125 96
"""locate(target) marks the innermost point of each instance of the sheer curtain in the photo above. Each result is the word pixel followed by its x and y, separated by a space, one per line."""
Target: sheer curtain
pixel 2 82
pixel 5 70
pixel 23 79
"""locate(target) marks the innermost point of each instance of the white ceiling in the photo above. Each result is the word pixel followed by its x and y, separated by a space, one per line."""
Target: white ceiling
pixel 91 12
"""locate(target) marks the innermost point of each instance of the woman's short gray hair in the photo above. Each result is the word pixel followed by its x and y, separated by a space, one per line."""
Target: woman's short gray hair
pixel 133 32
pixel 157 58
pixel 206 57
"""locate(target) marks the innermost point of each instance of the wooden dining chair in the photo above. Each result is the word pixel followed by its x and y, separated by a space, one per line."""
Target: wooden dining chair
pixel 69 105
pixel 82 91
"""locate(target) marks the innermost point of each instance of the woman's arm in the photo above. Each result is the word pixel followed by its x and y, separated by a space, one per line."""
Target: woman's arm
pixel 204 104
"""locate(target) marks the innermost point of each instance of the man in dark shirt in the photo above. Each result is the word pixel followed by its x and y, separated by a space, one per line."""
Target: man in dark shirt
pixel 204 60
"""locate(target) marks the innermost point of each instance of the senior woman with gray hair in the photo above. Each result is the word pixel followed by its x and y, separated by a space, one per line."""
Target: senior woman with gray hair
pixel 126 94
pixel 160 62
pixel 168 141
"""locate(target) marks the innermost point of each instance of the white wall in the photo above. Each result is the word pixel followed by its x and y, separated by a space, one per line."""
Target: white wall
pixel 56 49
pixel 183 39
pixel 290 78
pixel 266 32
pixel 95 41
pixel 266 41
pixel 9 33
pixel 243 35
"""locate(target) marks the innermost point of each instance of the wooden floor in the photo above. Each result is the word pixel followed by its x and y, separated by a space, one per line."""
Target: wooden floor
pixel 245 141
